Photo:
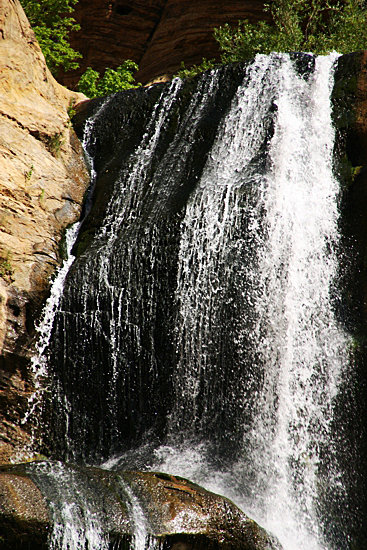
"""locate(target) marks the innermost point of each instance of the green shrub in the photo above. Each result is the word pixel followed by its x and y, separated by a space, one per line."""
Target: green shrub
pixel 113 80
pixel 6 268
pixel 298 25
pixel 316 26
pixel 195 69
pixel 51 25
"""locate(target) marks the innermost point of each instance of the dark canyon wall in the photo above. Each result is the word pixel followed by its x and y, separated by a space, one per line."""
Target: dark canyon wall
pixel 156 34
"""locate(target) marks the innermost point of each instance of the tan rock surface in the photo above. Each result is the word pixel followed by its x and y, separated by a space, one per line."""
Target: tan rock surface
pixel 42 182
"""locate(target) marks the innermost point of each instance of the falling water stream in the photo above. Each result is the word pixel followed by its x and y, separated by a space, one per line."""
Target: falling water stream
pixel 235 284
pixel 284 265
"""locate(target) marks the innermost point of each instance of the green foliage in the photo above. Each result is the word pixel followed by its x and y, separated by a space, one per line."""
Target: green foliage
pixel 29 173
pixel 195 69
pixel 54 143
pixel 298 25
pixel 6 269
pixel 88 83
pixel 113 80
pixel 51 25
pixel 71 111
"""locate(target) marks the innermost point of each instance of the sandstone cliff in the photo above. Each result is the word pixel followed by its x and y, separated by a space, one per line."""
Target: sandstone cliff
pixel 156 34
pixel 42 183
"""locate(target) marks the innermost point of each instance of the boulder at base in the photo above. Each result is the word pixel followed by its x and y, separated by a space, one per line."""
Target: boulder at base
pixel 44 503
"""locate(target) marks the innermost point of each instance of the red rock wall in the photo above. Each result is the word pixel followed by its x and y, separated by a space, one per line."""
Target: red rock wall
pixel 156 34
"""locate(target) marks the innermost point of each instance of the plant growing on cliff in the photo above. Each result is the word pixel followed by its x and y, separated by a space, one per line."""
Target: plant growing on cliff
pixel 71 110
pixel 54 142
pixel 319 26
pixel 51 25
pixel 113 80
pixel 29 173
pixel 195 69
pixel 6 269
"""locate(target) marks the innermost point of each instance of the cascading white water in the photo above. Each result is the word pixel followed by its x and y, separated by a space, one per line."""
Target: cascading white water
pixel 212 240
pixel 304 348
pixel 39 361
pixel 78 521
pixel 285 291
pixel 138 521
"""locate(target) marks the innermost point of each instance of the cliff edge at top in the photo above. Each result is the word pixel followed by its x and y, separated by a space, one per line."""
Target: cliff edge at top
pixel 42 183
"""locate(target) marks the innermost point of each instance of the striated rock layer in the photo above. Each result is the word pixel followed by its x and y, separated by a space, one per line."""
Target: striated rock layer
pixel 156 34
pixel 43 179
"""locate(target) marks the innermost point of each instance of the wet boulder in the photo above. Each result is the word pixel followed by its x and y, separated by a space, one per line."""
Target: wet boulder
pixel 46 503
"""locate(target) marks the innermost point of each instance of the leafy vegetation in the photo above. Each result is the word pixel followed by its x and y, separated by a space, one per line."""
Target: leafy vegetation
pixel 318 26
pixel 195 69
pixel 51 25
pixel 54 143
pixel 29 173
pixel 6 269
pixel 113 80
pixel 71 110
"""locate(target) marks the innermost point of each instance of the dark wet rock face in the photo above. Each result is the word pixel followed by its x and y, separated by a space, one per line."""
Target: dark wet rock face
pixel 350 158
pixel 156 201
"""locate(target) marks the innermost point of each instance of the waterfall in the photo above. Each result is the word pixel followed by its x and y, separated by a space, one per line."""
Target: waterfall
pixel 304 348
pixel 197 332
pixel 281 305
pixel 78 521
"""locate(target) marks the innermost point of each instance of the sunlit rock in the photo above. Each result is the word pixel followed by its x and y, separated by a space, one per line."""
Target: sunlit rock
pixel 42 183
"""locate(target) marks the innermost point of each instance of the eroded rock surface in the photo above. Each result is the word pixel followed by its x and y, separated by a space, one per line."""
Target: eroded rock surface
pixel 43 179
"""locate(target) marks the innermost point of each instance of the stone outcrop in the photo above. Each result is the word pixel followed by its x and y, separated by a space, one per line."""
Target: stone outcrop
pixel 156 34
pixel 176 513
pixel 43 179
